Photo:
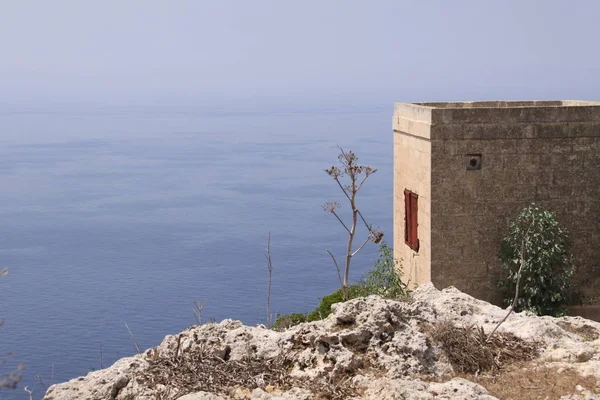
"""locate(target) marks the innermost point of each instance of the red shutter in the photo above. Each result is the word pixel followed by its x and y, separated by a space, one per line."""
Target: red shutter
pixel 414 211
pixel 407 217
pixel 411 208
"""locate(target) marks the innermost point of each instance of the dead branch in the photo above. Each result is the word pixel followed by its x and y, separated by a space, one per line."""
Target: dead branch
pixel 337 267
pixel 29 391
pixel 41 381
pixel 101 359
pixel 341 222
pixel 137 348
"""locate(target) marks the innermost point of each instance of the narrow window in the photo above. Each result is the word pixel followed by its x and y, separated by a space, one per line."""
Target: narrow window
pixel 411 210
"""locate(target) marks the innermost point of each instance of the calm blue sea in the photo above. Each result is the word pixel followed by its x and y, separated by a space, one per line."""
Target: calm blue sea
pixel 127 215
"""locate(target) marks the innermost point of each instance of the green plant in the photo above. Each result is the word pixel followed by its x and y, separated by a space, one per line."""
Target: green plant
pixel 324 307
pixel 322 310
pixel 536 237
pixel 286 321
pixel 357 175
pixel 385 278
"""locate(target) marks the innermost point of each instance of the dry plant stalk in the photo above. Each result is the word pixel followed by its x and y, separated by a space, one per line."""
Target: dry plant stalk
pixel 29 391
pixel 41 382
pixel 357 174
pixel 198 308
pixel 137 348
pixel 101 359
pixel 270 269
pixel 337 268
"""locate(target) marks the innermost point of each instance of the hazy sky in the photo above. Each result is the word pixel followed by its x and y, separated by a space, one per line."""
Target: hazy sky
pixel 353 52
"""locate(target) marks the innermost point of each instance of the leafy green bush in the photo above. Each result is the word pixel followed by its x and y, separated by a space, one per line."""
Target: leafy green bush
pixel 548 267
pixel 319 313
pixel 324 307
pixel 285 321
pixel 383 280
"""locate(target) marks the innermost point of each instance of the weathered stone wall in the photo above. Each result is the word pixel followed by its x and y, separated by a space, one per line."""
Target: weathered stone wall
pixel 412 171
pixel 541 152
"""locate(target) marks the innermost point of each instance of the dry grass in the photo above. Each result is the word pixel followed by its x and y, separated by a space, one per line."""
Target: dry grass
pixel 469 350
pixel 528 382
pixel 503 364
pixel 170 377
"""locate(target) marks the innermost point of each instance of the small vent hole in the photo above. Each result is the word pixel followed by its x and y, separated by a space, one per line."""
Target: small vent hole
pixel 473 162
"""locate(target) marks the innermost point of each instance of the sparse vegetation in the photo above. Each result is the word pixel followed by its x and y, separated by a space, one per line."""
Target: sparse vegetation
pixel 548 262
pixel 384 279
pixel 319 313
pixel 470 351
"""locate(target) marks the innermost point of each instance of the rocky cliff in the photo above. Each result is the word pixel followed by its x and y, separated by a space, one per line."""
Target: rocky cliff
pixel 435 345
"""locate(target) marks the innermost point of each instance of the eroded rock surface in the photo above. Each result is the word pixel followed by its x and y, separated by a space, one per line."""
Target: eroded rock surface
pixel 368 348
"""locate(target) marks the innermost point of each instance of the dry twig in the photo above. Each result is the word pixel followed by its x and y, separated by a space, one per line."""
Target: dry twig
pixel 137 348
pixel 170 376
pixel 270 269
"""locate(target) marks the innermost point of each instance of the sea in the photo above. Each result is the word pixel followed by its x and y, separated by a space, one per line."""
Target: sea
pixel 115 220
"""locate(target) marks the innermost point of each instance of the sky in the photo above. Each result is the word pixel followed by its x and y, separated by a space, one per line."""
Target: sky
pixel 279 52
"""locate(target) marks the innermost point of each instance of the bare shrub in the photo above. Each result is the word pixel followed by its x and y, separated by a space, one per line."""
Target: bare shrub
pixel 470 351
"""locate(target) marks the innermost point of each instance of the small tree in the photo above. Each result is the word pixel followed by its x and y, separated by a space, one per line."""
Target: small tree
pixel 537 245
pixel 357 175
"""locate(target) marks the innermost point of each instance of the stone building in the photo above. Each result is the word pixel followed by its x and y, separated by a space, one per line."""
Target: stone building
pixel 463 170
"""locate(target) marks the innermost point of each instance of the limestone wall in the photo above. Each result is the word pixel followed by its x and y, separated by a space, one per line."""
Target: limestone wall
pixel 412 171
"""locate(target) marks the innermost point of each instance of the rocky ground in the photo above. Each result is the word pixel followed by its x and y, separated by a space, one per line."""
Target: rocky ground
pixel 433 346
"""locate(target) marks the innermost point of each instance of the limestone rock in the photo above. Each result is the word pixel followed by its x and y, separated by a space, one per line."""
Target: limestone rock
pixel 201 396
pixel 456 388
pixel 103 384
pixel 379 346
